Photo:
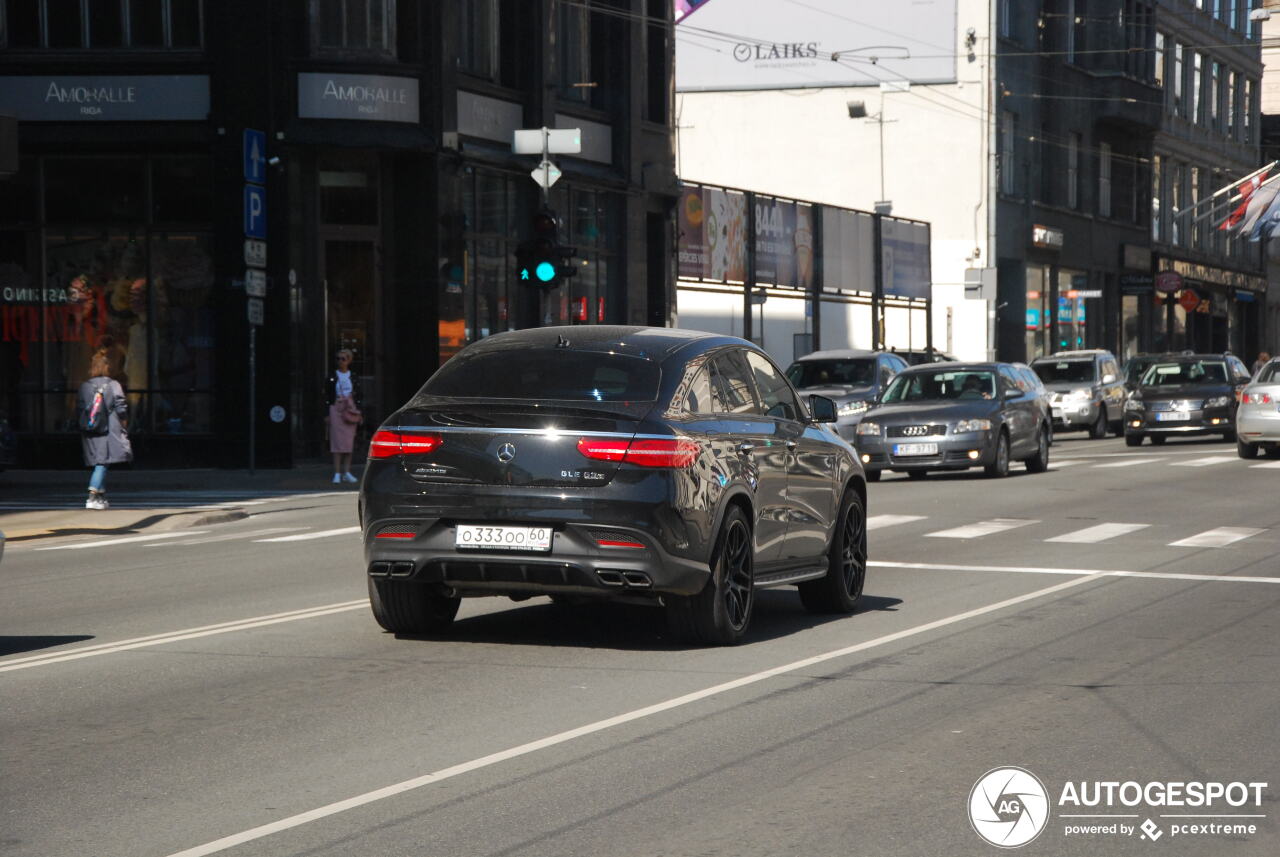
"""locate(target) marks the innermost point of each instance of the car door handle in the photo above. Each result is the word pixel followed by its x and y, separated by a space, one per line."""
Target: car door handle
pixel 746 448
pixel 791 444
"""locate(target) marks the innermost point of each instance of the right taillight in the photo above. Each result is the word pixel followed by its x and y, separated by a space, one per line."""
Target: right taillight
pixel 1255 399
pixel 650 452
pixel 386 444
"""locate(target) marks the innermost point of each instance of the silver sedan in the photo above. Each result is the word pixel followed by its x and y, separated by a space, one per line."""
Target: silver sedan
pixel 1258 419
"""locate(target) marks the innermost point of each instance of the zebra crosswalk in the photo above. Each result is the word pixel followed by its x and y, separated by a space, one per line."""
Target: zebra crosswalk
pixel 1217 537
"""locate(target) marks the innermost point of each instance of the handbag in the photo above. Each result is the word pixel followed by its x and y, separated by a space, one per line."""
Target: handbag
pixel 350 413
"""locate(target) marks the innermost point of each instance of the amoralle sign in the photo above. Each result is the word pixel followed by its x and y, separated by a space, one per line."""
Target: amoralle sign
pixel 110 98
pixel 368 97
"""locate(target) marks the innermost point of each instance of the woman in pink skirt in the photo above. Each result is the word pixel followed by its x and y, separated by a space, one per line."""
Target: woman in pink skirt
pixel 342 395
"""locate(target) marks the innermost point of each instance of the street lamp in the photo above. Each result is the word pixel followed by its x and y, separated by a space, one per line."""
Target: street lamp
pixel 858 110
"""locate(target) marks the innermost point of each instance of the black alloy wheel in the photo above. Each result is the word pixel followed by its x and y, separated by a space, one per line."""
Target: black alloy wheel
pixel 841 589
pixel 1098 430
pixel 1246 450
pixel 1039 462
pixel 1158 439
pixel 406 607
pixel 999 468
pixel 872 475
pixel 720 613
pixel 1131 439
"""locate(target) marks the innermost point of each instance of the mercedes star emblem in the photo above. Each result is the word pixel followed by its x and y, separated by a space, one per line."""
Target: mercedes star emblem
pixel 506 452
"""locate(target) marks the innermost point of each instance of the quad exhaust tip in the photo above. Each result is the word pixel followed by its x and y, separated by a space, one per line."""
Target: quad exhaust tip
pixel 631 579
pixel 390 569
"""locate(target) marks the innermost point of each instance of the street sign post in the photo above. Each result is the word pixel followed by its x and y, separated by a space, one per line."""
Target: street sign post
pixel 546 141
pixel 255 211
pixel 255 284
pixel 255 253
pixel 254 156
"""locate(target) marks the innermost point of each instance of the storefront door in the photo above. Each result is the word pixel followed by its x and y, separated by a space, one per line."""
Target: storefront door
pixel 350 275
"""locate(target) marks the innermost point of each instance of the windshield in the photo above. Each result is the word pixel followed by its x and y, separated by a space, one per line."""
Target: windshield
pixel 1082 371
pixel 924 386
pixel 824 373
pixel 1188 372
pixel 559 374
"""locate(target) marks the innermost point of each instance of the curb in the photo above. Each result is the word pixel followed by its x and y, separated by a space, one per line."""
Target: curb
pixel 159 520
pixel 220 518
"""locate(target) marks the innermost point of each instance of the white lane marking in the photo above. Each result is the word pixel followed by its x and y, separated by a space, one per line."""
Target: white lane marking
pixel 1130 463
pixel 982 528
pixel 1100 533
pixel 1205 462
pixel 879 522
pixel 1094 572
pixel 106 543
pixel 1059 463
pixel 175 636
pixel 322 534
pixel 1270 465
pixel 226 537
pixel 1216 538
pixel 434 777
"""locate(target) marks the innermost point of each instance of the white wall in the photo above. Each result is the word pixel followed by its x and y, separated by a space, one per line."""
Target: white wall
pixel 802 144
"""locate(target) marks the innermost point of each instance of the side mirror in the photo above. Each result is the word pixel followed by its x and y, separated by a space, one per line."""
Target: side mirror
pixel 1108 378
pixel 822 409
pixel 1012 392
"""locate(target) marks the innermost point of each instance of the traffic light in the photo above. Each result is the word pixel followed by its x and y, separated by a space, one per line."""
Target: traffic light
pixel 541 261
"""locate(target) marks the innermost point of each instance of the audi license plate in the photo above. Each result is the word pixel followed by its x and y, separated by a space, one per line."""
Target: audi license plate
pixel 904 449
pixel 503 538
pixel 1172 416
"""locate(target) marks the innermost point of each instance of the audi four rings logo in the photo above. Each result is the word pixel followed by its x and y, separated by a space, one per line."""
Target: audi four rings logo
pixel 911 431
pixel 506 452
pixel 1008 807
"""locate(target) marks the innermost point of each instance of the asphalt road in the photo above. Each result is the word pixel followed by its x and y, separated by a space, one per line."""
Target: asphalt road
pixel 224 691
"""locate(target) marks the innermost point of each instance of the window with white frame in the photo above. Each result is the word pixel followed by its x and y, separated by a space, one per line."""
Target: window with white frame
pixel 1104 179
pixel 94 24
pixel 355 26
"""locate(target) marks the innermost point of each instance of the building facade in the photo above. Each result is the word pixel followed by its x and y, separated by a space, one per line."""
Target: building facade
pixel 1049 144
pixel 347 163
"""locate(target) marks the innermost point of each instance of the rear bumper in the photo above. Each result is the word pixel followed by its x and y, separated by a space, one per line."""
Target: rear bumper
pixel 1256 427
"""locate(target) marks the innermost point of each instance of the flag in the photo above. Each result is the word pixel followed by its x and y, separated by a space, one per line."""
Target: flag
pixel 1259 201
pixel 1266 224
pixel 1246 191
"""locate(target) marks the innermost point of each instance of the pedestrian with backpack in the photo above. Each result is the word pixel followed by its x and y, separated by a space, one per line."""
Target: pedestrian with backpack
pixel 101 409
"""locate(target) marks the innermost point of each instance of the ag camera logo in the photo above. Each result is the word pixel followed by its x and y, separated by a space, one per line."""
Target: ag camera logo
pixel 1008 807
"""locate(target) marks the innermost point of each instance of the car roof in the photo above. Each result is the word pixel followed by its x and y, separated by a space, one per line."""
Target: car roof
pixel 652 343
pixel 839 354
pixel 955 366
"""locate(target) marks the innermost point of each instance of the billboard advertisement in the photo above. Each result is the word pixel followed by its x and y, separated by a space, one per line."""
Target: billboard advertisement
pixel 765 44
pixel 904 254
pixel 784 243
pixel 713 234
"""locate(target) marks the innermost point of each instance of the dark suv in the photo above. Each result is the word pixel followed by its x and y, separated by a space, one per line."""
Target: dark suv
pixel 1186 394
pixel 668 466
pixel 1086 391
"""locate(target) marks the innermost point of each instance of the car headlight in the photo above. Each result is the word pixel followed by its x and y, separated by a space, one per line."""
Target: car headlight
pixel 849 409
pixel 1078 395
pixel 966 426
pixel 1134 403
pixel 867 428
pixel 1218 402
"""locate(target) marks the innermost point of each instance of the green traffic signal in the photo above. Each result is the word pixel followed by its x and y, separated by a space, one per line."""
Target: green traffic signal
pixel 546 272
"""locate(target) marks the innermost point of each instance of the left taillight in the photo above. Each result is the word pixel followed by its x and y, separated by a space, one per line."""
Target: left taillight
pixel 386 444
pixel 676 452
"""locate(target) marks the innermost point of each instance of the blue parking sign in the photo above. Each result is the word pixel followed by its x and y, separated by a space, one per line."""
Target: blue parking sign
pixel 255 211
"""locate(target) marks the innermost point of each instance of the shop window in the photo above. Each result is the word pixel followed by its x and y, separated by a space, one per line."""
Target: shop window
pixel 348 193
pixel 182 190
pixel 359 26
pixel 478 36
pixel 89 190
pixel 98 24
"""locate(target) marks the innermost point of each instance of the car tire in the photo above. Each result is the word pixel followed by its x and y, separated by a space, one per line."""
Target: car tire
pixel 1229 436
pixel 720 613
pixel 1246 450
pixel 1039 462
pixel 1273 451
pixel 405 607
pixel 872 475
pixel 1098 430
pixel 1158 439
pixel 917 474
pixel 1132 439
pixel 999 468
pixel 841 589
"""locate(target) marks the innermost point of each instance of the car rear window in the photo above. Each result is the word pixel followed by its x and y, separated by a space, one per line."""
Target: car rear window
pixel 824 373
pixel 1065 370
pixel 560 374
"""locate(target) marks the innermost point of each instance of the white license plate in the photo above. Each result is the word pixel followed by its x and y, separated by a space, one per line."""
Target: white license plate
pixel 1173 417
pixel 1057 413
pixel 481 536
pixel 905 449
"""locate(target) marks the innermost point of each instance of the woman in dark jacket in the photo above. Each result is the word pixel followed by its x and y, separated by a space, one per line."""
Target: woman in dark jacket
pixel 109 447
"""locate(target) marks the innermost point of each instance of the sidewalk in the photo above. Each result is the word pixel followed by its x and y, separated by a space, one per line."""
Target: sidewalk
pixel 43 504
